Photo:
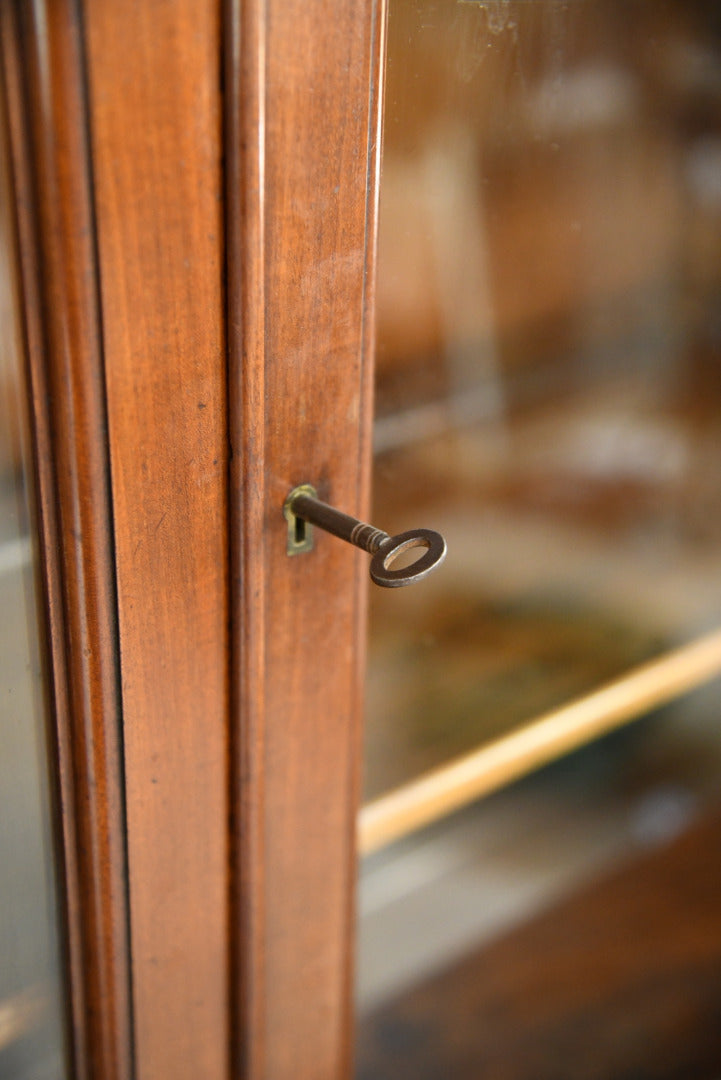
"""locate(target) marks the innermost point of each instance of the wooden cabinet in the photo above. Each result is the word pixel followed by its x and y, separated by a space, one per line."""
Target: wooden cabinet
pixel 195 187
pixel 194 196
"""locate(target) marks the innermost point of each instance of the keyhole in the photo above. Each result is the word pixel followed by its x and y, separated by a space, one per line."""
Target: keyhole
pixel 299 531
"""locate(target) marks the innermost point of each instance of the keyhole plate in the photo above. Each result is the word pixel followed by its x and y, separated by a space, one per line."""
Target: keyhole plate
pixel 300 532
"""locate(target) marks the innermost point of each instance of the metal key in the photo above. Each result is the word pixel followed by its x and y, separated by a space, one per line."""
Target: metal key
pixel 303 509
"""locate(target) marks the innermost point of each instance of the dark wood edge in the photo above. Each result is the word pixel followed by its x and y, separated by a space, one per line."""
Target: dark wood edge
pixel 44 68
pixel 245 34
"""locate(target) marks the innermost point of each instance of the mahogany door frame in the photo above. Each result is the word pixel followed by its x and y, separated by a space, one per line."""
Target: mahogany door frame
pixel 196 191
pixel 301 341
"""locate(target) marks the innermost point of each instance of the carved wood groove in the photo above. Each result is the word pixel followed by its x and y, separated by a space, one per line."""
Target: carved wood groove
pixel 44 71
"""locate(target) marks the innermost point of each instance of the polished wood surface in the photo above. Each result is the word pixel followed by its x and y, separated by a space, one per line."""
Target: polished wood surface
pixel 43 65
pixel 156 185
pixel 620 980
pixel 303 149
pixel 156 132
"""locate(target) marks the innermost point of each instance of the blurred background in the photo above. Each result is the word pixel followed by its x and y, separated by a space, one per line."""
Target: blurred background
pixel 548 395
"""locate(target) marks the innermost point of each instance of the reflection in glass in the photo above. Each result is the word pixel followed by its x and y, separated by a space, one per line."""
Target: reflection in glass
pixel 548 396
pixel 548 389
pixel 31 1035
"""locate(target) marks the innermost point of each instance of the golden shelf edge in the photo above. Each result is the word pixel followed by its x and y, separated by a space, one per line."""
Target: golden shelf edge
pixel 443 790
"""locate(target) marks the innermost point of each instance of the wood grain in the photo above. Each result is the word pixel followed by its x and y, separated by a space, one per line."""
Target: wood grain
pixel 156 127
pixel 44 72
pixel 302 144
pixel 303 147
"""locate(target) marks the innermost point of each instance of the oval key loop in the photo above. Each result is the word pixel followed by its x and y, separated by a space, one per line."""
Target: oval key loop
pixel 435 553
pixel 302 510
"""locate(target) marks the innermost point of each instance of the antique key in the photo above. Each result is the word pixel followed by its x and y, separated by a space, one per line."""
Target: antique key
pixel 303 509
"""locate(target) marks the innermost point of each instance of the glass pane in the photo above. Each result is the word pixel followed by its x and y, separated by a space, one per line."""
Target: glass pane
pixel 499 910
pixel 549 397
pixel 31 1031
pixel 548 390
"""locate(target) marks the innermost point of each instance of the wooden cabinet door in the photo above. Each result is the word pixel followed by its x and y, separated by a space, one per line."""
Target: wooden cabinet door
pixel 195 187
pixel 195 194
pixel 303 137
